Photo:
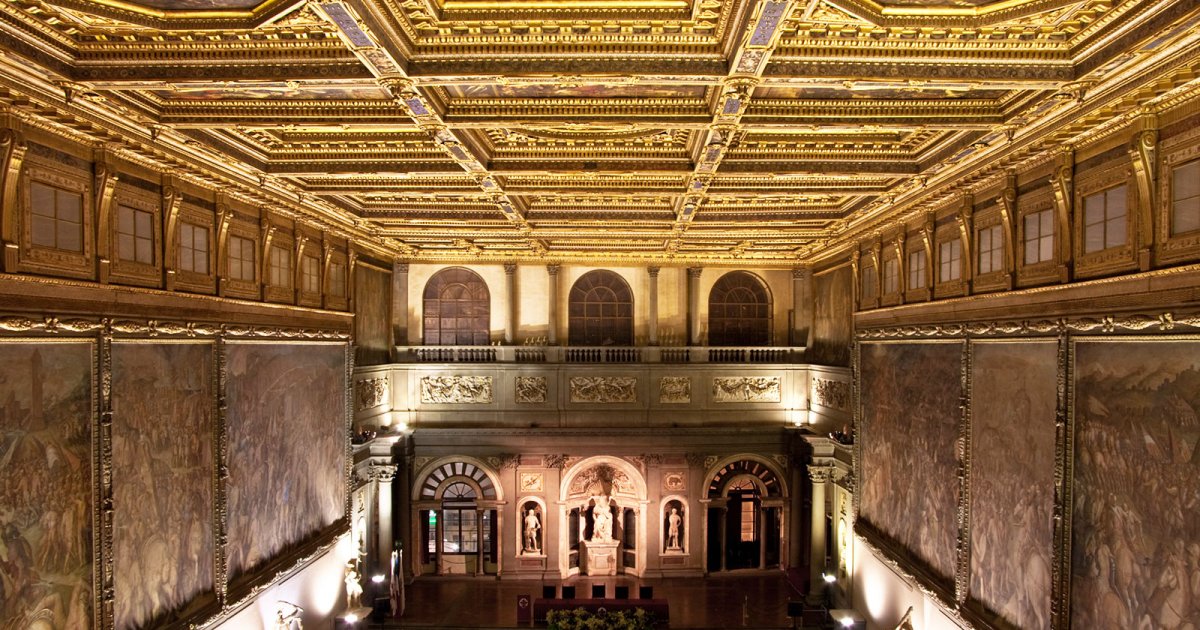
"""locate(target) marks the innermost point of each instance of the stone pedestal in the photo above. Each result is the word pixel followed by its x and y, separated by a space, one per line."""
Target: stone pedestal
pixel 598 557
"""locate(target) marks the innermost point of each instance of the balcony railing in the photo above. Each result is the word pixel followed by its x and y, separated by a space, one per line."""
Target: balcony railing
pixel 597 354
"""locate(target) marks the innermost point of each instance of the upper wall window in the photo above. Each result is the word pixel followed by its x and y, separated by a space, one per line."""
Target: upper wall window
pixel 869 280
pixel 1104 219
pixel 739 311
pixel 280 266
pixel 1185 198
pixel 990 242
pixel 916 269
pixel 57 217
pixel 891 276
pixel 1039 237
pixel 241 259
pixel 457 309
pixel 310 273
pixel 600 311
pixel 193 248
pixel 950 260
pixel 337 279
pixel 135 235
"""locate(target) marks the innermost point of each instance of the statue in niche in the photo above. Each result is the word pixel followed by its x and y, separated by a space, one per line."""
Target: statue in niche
pixel 601 520
pixel 674 522
pixel 354 590
pixel 532 526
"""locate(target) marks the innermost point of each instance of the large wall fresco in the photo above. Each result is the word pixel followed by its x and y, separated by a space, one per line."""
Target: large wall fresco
pixel 372 321
pixel 287 447
pixel 911 396
pixel 1135 560
pixel 1013 401
pixel 833 330
pixel 162 403
pixel 46 413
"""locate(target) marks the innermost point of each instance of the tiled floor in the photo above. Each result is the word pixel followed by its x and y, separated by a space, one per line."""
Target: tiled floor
pixel 757 600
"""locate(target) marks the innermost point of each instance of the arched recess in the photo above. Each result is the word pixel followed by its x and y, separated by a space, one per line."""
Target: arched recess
pixel 600 310
pixel 456 309
pixel 747 513
pixel 528 545
pixel 456 518
pixel 739 311
pixel 596 479
pixel 680 544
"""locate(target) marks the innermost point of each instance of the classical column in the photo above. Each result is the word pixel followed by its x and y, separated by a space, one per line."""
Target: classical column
pixel 802 306
pixel 694 305
pixel 439 531
pixel 510 301
pixel 479 541
pixel 652 328
pixel 383 474
pixel 399 304
pixel 552 298
pixel 724 531
pixel 819 475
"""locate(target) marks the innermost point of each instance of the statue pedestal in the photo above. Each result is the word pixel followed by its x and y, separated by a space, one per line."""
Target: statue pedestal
pixel 598 557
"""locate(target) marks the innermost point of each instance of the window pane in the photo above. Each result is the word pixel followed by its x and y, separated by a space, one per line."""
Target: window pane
pixel 1093 238
pixel 43 230
pixel 145 251
pixel 145 224
pixel 70 236
pixel 41 199
pixel 70 207
pixel 125 220
pixel 125 246
pixel 1116 231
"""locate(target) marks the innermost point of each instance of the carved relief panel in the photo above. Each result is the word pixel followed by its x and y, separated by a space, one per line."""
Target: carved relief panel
pixel 456 390
pixel 530 389
pixel 675 390
pixel 746 389
pixel 603 389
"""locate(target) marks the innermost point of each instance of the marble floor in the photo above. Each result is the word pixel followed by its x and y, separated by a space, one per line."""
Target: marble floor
pixel 740 600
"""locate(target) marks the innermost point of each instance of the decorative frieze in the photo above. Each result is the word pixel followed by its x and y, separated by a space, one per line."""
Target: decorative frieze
pixel 370 392
pixel 675 390
pixel 530 389
pixel 741 389
pixel 831 394
pixel 531 482
pixel 456 390
pixel 603 389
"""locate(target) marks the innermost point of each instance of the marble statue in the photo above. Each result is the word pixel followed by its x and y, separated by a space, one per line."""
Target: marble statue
pixel 354 590
pixel 602 520
pixel 673 522
pixel 532 525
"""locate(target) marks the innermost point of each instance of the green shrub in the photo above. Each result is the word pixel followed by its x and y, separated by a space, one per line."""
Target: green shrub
pixel 580 619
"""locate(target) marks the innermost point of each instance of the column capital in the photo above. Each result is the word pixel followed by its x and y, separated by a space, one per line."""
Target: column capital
pixel 820 474
pixel 802 273
pixel 383 473
pixel 653 271
pixel 400 267
pixel 694 272
pixel 553 269
pixel 510 268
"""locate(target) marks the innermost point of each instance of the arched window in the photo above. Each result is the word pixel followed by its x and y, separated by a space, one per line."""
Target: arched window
pixel 739 311
pixel 600 311
pixel 457 309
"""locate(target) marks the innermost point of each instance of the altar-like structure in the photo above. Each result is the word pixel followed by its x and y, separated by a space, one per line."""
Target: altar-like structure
pixel 600 557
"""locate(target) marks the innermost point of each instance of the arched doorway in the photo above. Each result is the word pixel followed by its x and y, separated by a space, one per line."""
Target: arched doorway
pixel 745 519
pixel 603 499
pixel 456 519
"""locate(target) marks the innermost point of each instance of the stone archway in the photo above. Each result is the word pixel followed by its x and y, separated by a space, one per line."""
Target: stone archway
pixel 748 510
pixel 603 503
pixel 456 520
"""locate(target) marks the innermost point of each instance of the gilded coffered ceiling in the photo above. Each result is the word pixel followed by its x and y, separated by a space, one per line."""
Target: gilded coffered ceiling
pixel 763 131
